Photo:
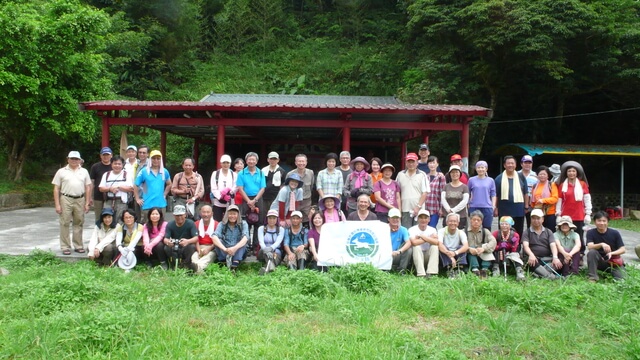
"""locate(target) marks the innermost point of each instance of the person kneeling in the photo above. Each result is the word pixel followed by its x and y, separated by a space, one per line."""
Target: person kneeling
pixel 231 237
pixel 270 237
pixel 102 244
pixel 481 245
pixel 296 238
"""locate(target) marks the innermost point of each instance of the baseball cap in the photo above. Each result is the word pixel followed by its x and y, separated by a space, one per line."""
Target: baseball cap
pixel 225 158
pixel 272 213
pixel 394 213
pixel 296 213
pixel 233 207
pixel 74 155
pixel 155 153
pixel 424 147
pixel 132 147
pixel 455 157
pixel 411 156
pixel 454 167
pixel 537 212
pixel 106 150
pixel 179 210
pixel 273 155
pixel 527 158
pixel 424 212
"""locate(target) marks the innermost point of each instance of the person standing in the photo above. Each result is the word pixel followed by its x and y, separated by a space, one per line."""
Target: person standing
pixel 456 159
pixel 330 180
pixel 423 161
pixel 387 192
pixel 482 194
pixel 414 188
pixel 574 199
pixel 274 177
pixel 345 169
pixel 156 182
pixel 187 187
pixel 455 198
pixel 358 182
pixel 544 195
pixel 532 178
pixel 223 187
pixel 117 186
pixel 512 194
pixel 72 197
pixel 251 184
pixel 97 170
pixel 143 160
pixel 131 162
pixel 308 178
pixel 437 182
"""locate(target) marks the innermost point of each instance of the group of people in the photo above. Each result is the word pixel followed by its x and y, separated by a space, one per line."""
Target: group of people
pixel 270 213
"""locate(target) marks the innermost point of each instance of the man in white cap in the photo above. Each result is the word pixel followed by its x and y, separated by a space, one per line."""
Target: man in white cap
pixel 424 240
pixel 72 197
pixel 275 176
pixel 131 162
pixel 401 250
pixel 95 173
pixel 223 187
pixel 541 252
pixel 184 231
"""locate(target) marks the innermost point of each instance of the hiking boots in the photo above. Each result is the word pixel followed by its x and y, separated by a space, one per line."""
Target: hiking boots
pixel 495 271
pixel 164 265
pixel 483 274
pixel 520 274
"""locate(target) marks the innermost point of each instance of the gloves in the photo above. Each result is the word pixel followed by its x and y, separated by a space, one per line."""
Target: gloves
pixel 124 250
pixel 267 249
pixel 587 219
pixel 354 193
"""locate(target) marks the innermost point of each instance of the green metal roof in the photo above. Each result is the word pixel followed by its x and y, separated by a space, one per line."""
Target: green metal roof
pixel 564 149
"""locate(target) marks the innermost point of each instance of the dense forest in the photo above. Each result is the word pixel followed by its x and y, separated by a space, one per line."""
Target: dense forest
pixel 553 71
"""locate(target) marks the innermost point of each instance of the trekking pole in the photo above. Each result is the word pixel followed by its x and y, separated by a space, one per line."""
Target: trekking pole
pixel 549 267
pixel 503 258
pixel 115 260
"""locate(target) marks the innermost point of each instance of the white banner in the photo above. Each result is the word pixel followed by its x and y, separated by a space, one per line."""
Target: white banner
pixel 350 242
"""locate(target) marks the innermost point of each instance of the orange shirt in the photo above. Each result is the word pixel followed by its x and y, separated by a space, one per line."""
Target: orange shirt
pixel 549 202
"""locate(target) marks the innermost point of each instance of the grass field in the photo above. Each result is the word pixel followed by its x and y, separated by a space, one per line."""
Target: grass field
pixel 59 310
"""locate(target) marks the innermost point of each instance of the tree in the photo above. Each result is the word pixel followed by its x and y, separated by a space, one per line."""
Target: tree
pixel 51 61
pixel 494 51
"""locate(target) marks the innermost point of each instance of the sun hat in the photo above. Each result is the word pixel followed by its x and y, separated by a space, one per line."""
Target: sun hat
pixel 336 200
pixel 394 213
pixel 565 220
pixel 272 213
pixel 128 261
pixel 179 210
pixel 353 162
pixel 155 153
pixel 555 169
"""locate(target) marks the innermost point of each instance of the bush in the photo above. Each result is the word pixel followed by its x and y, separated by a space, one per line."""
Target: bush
pixel 361 278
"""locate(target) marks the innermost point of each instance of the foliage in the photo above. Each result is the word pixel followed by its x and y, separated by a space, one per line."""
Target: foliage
pixel 52 60
pixel 361 278
pixel 627 224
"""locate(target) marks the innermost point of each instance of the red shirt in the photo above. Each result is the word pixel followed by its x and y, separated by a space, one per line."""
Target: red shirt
pixel 204 238
pixel 570 206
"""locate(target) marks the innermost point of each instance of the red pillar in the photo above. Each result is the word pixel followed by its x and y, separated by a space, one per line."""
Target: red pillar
pixel 464 144
pixel 105 132
pixel 163 145
pixel 220 144
pixel 403 153
pixel 346 139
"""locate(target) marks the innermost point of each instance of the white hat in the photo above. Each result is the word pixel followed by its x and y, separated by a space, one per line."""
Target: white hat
pixel 128 261
pixel 74 154
pixel 272 155
pixel 179 210
pixel 423 212
pixel 132 147
pixel 537 212
pixel 394 213
pixel 296 213
pixel 225 158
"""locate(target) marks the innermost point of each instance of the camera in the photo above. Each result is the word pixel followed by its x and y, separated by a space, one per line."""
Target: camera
pixel 176 244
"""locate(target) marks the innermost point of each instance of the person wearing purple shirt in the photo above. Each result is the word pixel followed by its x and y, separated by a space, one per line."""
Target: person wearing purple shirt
pixel 482 193
pixel 387 193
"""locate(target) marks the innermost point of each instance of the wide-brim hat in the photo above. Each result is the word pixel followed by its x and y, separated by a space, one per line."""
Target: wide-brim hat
pixel 555 169
pixel 296 177
pixel 573 164
pixel 353 162
pixel 336 200
pixel 74 154
pixel 128 261
pixel 565 220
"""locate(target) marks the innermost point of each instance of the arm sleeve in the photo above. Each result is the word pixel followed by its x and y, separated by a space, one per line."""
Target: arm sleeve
pixel 279 239
pixel 108 238
pixel 587 204
pixel 463 204
pixel 261 236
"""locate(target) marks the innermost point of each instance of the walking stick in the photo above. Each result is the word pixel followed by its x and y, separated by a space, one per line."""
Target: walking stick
pixel 503 258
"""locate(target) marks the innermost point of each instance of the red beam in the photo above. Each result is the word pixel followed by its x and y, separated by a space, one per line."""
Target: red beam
pixel 353 123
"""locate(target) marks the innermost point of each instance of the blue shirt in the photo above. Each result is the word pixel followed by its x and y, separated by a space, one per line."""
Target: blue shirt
pixel 230 236
pixel 399 237
pixel 251 184
pixel 155 184
pixel 294 240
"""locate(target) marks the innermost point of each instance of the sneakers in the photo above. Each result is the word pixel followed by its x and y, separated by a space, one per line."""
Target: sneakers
pixel 164 265
pixel 520 274
pixel 475 272
pixel 495 271
pixel 483 274
pixel 229 261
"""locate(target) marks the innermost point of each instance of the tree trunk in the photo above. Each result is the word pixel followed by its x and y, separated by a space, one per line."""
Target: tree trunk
pixel 19 150
pixel 476 147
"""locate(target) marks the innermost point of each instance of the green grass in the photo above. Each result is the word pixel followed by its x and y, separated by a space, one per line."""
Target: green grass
pixel 627 224
pixel 54 310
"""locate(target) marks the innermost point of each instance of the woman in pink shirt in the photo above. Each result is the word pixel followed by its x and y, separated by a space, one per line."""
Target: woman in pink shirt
pixel 152 237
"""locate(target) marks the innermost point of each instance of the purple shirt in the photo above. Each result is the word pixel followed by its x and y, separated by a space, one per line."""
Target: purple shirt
pixel 481 190
pixel 315 235
pixel 388 193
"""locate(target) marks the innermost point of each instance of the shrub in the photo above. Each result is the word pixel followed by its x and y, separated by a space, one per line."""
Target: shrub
pixel 360 278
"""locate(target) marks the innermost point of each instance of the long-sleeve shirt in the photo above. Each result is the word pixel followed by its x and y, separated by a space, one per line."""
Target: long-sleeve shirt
pixel 100 238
